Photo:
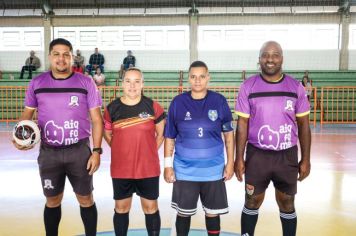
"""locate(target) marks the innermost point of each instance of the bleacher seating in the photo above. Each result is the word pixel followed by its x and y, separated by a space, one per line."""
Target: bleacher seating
pixel 319 79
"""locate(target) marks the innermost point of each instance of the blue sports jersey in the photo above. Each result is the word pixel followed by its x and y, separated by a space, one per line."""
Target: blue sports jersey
pixel 196 126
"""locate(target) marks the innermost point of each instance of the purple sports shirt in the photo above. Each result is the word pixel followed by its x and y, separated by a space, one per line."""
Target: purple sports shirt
pixel 272 108
pixel 63 106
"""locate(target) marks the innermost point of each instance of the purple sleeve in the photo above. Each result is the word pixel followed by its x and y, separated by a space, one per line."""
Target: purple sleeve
pixel 242 103
pixel 226 117
pixel 302 105
pixel 30 98
pixel 170 130
pixel 94 96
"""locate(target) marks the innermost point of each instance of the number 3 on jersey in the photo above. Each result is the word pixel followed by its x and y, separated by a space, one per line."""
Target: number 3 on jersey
pixel 200 132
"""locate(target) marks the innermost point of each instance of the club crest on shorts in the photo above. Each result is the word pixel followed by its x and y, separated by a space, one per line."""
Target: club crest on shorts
pixel 48 184
pixel 213 115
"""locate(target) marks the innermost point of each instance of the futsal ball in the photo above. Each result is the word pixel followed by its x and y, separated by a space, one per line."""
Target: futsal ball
pixel 26 133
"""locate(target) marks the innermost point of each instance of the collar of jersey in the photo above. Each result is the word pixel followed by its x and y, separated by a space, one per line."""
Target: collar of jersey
pixel 199 99
pixel 274 82
pixel 61 79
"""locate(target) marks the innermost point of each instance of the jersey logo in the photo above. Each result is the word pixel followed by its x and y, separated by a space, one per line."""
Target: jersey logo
pixel 213 115
pixel 268 138
pixel 289 105
pixel 144 115
pixel 187 116
pixel 48 184
pixel 74 101
pixel 53 133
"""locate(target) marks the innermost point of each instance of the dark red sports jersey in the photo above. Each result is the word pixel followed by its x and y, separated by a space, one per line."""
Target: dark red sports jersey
pixel 134 153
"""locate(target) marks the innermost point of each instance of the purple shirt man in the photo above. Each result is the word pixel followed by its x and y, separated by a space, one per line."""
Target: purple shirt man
pixel 260 101
pixel 63 106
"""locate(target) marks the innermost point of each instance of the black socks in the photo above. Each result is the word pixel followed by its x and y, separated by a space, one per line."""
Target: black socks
pixel 153 223
pixel 121 223
pixel 52 217
pixel 90 219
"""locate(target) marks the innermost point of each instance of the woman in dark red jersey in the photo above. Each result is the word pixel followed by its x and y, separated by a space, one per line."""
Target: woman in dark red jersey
pixel 134 127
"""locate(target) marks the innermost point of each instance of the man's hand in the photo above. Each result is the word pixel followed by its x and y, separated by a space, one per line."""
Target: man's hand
pixel 228 171
pixel 240 169
pixel 93 163
pixel 169 175
pixel 304 170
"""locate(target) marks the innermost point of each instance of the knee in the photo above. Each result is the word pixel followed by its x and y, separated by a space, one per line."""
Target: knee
pixel 253 201
pixel 122 208
pixel 150 209
pixel 85 201
pixel 54 201
pixel 286 203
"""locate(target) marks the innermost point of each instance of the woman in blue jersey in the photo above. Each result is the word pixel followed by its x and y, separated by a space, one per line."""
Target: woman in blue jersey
pixel 195 122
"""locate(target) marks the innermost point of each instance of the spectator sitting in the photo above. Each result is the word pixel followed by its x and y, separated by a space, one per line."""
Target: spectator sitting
pixel 79 60
pixel 77 68
pixel 88 74
pixel 307 85
pixel 99 78
pixel 96 60
pixel 129 61
pixel 32 64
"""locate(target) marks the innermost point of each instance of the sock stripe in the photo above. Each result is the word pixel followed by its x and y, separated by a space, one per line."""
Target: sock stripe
pixel 214 231
pixel 250 211
pixel 288 216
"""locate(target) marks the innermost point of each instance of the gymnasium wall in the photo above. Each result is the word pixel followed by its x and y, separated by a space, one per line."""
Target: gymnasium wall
pixel 178 58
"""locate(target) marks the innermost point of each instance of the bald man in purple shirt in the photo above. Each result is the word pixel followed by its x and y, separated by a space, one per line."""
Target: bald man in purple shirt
pixel 273 112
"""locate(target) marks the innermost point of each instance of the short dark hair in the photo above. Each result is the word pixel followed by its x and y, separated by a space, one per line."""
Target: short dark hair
pixel 135 69
pixel 60 41
pixel 198 64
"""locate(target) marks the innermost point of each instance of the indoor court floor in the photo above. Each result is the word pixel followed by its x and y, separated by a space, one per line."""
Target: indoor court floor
pixel 325 203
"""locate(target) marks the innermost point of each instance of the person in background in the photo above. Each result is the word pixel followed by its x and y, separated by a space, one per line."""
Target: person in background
pixel 99 77
pixel 86 73
pixel 79 59
pixel 128 62
pixel 32 63
pixel 307 85
pixel 96 60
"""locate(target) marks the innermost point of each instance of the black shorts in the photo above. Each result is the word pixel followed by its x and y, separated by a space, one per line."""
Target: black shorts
pixel 212 195
pixel 146 188
pixel 262 166
pixel 55 163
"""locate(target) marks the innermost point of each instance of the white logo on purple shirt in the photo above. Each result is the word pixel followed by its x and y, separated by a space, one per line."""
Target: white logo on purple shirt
pixel 53 133
pixel 289 105
pixel 268 138
pixel 74 101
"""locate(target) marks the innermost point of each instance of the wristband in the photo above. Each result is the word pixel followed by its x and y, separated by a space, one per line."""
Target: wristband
pixel 168 162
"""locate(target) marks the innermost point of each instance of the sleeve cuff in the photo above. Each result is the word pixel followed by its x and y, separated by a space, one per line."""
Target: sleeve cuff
pixel 242 114
pixel 302 114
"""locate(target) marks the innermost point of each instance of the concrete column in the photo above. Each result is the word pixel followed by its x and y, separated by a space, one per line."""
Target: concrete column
pixel 47 28
pixel 344 39
pixel 193 41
